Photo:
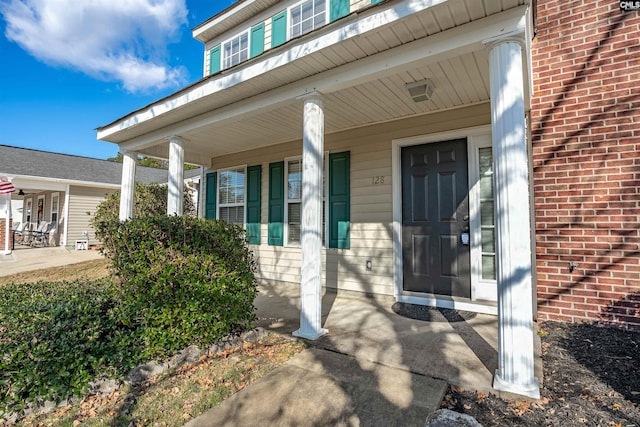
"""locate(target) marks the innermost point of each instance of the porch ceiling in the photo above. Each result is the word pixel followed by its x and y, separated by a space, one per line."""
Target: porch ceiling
pixel 362 79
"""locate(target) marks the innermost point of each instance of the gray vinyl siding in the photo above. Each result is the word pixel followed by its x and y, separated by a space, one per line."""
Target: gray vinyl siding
pixel 371 205
pixel 81 201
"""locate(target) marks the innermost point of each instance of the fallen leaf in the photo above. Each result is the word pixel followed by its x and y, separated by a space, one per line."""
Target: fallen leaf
pixel 481 395
pixel 617 406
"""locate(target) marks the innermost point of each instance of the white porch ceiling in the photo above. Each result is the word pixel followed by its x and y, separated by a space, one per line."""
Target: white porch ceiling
pixel 212 126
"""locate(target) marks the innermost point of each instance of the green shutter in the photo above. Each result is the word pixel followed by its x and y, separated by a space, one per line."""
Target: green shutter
pixel 214 60
pixel 254 179
pixel 257 40
pixel 279 29
pixel 211 191
pixel 339 200
pixel 338 9
pixel 376 1
pixel 276 204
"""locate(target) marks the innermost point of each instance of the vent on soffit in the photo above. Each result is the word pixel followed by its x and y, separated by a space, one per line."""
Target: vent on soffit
pixel 420 91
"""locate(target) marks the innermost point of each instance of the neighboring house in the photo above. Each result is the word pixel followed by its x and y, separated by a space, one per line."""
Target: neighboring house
pixel 63 189
pixel 435 139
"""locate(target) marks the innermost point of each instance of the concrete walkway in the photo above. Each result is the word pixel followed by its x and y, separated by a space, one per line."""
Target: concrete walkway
pixel 27 259
pixel 374 367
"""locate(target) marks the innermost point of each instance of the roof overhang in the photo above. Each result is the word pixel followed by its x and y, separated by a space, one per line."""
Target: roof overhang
pixel 257 103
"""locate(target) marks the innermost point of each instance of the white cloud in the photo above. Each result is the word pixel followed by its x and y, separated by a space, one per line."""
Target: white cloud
pixel 114 40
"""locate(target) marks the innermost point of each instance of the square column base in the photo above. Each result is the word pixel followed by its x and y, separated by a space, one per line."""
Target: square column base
pixel 530 390
pixel 310 335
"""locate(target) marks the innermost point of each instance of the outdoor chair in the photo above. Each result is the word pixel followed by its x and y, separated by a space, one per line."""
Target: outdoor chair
pixel 37 236
pixel 19 233
pixel 41 236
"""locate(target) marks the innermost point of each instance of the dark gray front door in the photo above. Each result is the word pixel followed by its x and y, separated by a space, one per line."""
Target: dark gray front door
pixel 435 213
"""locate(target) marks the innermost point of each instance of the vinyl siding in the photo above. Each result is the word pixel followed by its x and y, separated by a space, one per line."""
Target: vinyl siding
pixel 81 201
pixel 371 205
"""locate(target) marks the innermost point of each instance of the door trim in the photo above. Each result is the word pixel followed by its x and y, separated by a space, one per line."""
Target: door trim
pixel 475 135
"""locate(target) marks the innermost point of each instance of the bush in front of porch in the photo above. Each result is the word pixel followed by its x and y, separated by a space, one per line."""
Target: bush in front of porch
pixel 185 280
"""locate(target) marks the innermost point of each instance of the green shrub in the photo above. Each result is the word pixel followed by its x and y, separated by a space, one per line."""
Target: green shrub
pixel 56 337
pixel 186 280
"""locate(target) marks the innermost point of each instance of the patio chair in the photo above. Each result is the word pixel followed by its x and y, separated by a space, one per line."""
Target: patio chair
pixel 37 236
pixel 18 233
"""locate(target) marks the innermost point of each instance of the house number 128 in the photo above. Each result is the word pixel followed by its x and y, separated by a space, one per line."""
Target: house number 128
pixel 377 180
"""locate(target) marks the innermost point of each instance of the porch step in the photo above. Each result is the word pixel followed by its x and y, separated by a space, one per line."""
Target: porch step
pixel 321 387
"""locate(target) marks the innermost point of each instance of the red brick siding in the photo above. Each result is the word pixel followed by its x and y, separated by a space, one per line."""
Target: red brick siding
pixel 585 124
pixel 3 225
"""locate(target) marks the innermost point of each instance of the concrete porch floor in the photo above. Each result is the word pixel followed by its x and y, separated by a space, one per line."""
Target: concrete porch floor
pixel 461 350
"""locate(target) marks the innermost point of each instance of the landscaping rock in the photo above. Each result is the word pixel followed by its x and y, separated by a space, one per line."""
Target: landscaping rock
pixel 449 418
pixel 254 335
pixel 188 355
pixel 145 371
pixel 103 387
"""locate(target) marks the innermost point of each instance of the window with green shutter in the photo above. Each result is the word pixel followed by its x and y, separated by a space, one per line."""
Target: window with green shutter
pixel 214 60
pixel 276 204
pixel 339 200
pixel 254 179
pixel 338 9
pixel 257 40
pixel 211 187
pixel 279 29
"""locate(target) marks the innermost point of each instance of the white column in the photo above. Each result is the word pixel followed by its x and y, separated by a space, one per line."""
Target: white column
pixel 311 227
pixel 5 204
pixel 515 371
pixel 176 176
pixel 128 185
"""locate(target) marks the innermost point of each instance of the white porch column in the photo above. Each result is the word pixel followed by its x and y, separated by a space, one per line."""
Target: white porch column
pixel 5 210
pixel 311 227
pixel 127 186
pixel 176 176
pixel 515 371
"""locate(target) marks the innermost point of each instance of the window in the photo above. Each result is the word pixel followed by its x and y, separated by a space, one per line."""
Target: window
pixel 307 16
pixel 294 200
pixel 55 201
pixel 236 50
pixel 285 201
pixel 293 189
pixel 487 220
pixel 231 195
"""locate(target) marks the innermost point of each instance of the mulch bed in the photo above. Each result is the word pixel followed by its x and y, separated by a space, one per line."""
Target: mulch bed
pixel 591 378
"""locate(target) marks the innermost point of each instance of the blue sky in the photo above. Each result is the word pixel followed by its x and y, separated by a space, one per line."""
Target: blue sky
pixel 70 66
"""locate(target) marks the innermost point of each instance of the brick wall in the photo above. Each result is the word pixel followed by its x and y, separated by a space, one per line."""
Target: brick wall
pixel 585 124
pixel 3 224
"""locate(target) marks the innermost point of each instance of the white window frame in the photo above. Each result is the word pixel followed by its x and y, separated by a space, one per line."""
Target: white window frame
pixel 325 196
pixel 223 53
pixel 290 18
pixel 219 203
pixel 57 211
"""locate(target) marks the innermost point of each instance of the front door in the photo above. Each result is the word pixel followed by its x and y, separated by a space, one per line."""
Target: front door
pixel 435 219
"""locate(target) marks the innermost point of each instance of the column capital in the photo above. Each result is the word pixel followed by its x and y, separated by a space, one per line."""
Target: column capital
pixel 510 37
pixel 176 139
pixel 313 95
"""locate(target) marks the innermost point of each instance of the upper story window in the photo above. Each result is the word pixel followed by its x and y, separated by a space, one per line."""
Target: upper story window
pixel 236 50
pixel 307 16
